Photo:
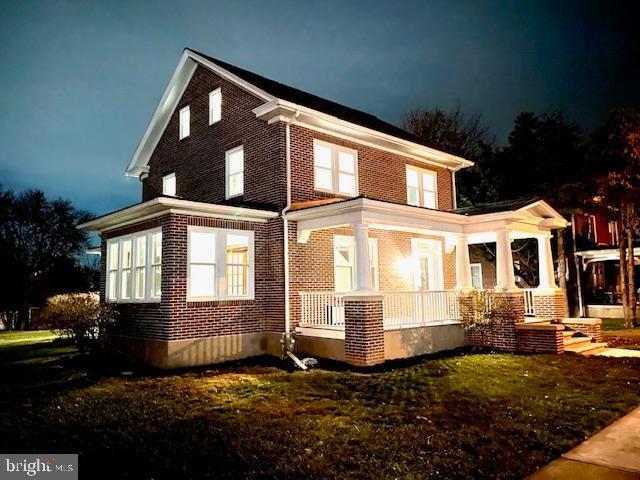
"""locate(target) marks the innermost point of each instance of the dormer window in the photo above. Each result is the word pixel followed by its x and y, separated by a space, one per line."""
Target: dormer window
pixel 215 106
pixel 169 185
pixel 185 122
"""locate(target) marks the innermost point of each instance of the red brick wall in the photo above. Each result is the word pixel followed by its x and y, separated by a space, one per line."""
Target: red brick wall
pixel 501 335
pixel 540 341
pixel 550 306
pixel 175 318
pixel 381 175
pixel 594 330
pixel 363 331
pixel 199 160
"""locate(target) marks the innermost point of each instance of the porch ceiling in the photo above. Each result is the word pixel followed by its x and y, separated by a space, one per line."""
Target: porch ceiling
pixel 533 220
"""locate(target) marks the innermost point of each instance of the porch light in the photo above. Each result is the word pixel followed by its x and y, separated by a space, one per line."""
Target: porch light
pixel 406 266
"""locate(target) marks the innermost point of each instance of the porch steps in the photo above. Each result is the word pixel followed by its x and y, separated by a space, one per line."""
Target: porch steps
pixel 580 344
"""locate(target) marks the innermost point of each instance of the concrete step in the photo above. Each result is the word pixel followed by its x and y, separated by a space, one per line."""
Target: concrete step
pixel 586 349
pixel 576 341
pixel 595 351
pixel 568 333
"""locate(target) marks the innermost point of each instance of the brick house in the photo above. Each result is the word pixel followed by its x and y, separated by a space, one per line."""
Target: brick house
pixel 268 212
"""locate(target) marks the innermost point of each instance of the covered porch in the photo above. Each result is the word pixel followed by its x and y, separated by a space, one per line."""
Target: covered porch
pixel 419 270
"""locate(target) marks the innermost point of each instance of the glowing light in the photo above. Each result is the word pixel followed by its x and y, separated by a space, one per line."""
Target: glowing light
pixel 406 266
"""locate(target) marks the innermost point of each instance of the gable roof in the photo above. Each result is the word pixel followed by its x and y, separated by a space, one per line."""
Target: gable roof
pixel 272 92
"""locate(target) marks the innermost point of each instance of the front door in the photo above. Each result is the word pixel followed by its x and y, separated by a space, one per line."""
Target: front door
pixel 428 254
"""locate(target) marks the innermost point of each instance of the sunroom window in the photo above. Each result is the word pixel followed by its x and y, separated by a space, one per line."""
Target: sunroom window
pixel 421 187
pixel 335 169
pixel 134 267
pixel 221 264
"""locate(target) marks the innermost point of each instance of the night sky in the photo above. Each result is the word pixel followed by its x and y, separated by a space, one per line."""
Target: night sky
pixel 80 80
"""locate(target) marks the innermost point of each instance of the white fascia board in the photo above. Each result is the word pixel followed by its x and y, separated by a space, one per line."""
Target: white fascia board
pixel 279 109
pixel 169 100
pixel 164 205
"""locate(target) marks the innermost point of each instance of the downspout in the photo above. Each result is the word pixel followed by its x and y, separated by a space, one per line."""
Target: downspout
pixel 453 189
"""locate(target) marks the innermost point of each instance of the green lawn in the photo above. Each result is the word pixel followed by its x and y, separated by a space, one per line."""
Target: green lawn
pixel 456 416
pixel 26 338
pixel 616 335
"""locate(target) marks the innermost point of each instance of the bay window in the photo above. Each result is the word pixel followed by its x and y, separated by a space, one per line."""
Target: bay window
pixel 134 265
pixel 335 169
pixel 421 187
pixel 221 264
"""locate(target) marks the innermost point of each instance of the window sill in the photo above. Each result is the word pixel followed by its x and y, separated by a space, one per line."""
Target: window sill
pixel 335 194
pixel 138 301
pixel 218 301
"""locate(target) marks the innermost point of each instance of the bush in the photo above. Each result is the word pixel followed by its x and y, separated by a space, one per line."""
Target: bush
pixel 81 317
pixel 483 306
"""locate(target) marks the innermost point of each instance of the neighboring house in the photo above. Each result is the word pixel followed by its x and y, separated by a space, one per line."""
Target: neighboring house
pixel 267 211
pixel 598 265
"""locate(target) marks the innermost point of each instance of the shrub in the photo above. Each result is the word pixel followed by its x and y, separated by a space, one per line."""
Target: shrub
pixel 482 307
pixel 81 317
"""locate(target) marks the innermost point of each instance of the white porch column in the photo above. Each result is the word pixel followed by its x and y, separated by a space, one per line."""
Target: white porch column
pixel 463 265
pixel 363 262
pixel 505 279
pixel 545 263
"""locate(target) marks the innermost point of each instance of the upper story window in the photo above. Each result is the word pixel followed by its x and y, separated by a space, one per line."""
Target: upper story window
pixel 335 169
pixel 421 187
pixel 593 229
pixel 234 168
pixel 134 264
pixel 215 106
pixel 185 122
pixel 613 233
pixel 169 184
pixel 221 264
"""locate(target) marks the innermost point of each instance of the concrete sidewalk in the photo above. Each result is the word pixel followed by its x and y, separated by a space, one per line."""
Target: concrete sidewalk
pixel 613 453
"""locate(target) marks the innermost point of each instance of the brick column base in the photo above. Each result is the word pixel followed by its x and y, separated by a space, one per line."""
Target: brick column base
pixel 363 330
pixel 502 334
pixel 549 305
pixel 588 326
pixel 539 338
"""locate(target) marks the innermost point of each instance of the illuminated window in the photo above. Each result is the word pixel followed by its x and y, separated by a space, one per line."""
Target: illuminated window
pixel 476 276
pixel 220 264
pixel 234 172
pixel 185 122
pixel 134 265
pixel 613 233
pixel 344 262
pixel 335 168
pixel 169 185
pixel 215 106
pixel 421 187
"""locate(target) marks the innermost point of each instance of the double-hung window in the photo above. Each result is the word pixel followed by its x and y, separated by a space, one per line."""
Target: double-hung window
pixel 421 187
pixel 169 184
pixel 335 169
pixel 476 276
pixel 134 267
pixel 185 122
pixel 221 264
pixel 344 262
pixel 215 106
pixel 234 172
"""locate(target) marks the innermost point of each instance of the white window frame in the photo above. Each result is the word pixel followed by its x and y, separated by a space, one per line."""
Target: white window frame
pixel 421 189
pixel 350 242
pixel 148 294
pixel 227 154
pixel 220 282
pixel 215 114
pixel 479 267
pixel 165 184
pixel 428 248
pixel 613 232
pixel 184 120
pixel 335 172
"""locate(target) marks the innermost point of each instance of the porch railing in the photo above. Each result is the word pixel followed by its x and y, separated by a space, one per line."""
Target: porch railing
pixel 529 310
pixel 400 309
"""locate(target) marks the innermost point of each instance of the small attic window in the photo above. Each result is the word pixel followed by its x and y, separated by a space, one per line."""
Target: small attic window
pixel 185 122
pixel 169 184
pixel 215 106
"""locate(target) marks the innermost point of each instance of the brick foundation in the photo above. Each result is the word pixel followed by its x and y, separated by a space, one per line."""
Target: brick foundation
pixel 364 330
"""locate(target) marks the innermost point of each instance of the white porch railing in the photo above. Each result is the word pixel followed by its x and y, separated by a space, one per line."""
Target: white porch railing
pixel 529 310
pixel 400 309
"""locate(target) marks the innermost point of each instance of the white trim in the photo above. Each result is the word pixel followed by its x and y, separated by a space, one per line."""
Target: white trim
pixel 432 250
pixel 335 168
pixel 479 267
pixel 163 205
pixel 184 120
pixel 227 154
pixel 212 94
pixel 220 280
pixel 421 171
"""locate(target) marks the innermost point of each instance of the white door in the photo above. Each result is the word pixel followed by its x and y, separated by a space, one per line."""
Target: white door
pixel 428 255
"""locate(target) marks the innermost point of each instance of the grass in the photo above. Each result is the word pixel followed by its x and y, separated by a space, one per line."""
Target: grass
pixel 616 335
pixel 455 416
pixel 26 338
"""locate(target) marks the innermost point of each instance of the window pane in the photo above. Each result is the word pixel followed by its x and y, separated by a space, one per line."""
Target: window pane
pixel 323 179
pixel 140 281
pixel 237 265
pixel 126 253
pixel 412 178
pixel 125 290
pixel 343 279
pixel 346 183
pixel 343 257
pixel 156 248
pixel 322 156
pixel 236 184
pixel 202 280
pixel 235 161
pixel 156 280
pixel 202 248
pixel 185 120
pixel 113 256
pixel 412 196
pixel 141 251
pixel 428 181
pixel 346 162
pixel 429 199
pixel 169 185
pixel 215 106
pixel 112 282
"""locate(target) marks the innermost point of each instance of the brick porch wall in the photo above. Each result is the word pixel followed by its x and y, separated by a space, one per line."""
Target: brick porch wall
pixel 549 305
pixel 364 331
pixel 540 339
pixel 502 335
